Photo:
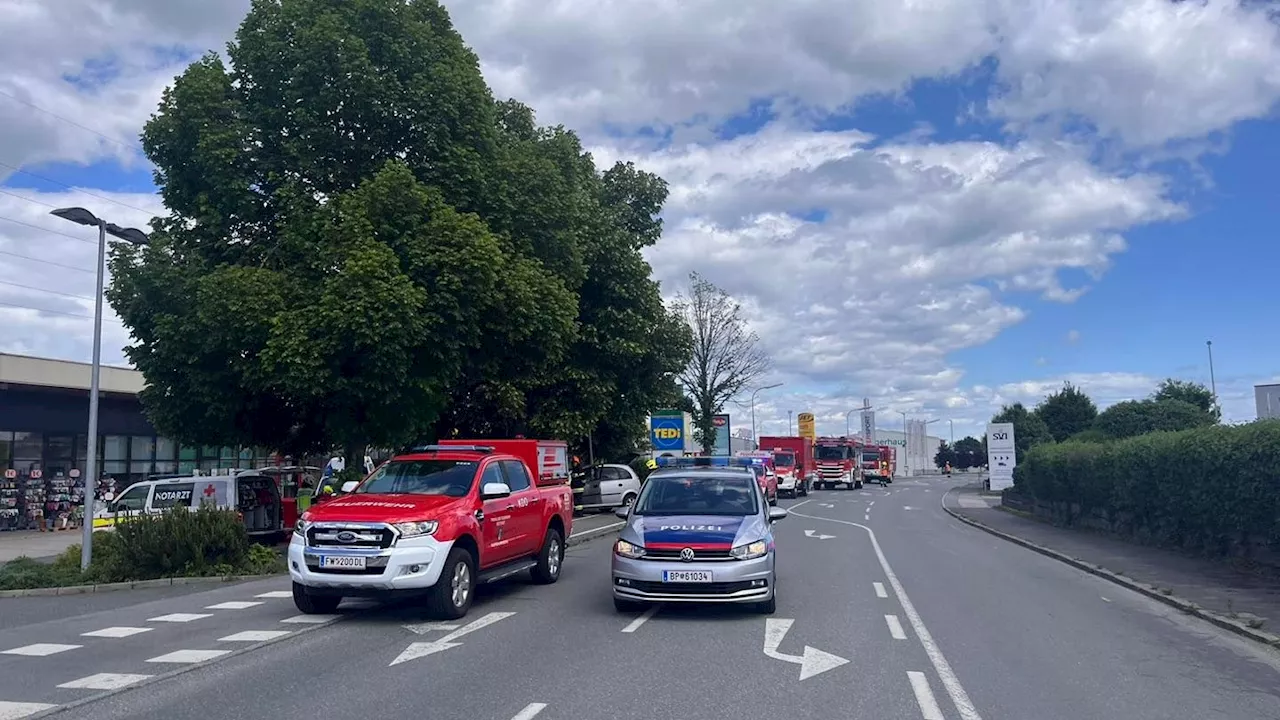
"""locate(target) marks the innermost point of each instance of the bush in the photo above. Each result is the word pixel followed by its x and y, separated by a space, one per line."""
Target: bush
pixel 207 542
pixel 1215 489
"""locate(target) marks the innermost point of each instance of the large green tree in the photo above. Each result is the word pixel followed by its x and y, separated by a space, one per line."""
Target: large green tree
pixel 1067 412
pixel 362 246
pixel 1192 393
pixel 970 453
pixel 1028 429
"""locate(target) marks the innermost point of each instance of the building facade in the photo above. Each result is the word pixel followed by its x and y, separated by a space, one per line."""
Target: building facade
pixel 1268 399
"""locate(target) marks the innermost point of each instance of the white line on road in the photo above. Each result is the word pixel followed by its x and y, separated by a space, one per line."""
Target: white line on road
pixel 275 594
pixel 959 697
pixel 924 695
pixel 530 711
pixel 634 625
pixel 895 627
pixel 880 593
pixel 15 710
pixel 595 531
pixel 873 502
pixel 867 516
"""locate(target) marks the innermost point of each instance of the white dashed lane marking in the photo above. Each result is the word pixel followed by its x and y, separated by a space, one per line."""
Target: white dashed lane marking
pixel 880 593
pixel 530 711
pixel 233 605
pixel 187 657
pixel 634 625
pixel 309 619
pixel 40 649
pixel 895 627
pixel 180 617
pixel 104 681
pixel 275 594
pixel 254 636
pixel 929 709
pixel 116 632
pixel 15 710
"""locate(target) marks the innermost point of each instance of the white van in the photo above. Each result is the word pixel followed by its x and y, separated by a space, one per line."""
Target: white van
pixel 256 497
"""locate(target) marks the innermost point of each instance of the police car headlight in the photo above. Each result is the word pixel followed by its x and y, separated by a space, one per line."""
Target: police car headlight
pixel 417 529
pixel 628 550
pixel 750 551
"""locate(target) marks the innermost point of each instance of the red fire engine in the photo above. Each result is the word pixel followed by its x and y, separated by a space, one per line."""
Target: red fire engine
pixel 835 458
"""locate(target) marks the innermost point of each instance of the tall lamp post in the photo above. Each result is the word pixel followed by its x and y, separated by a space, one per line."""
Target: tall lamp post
pixel 952 423
pixel 789 433
pixel 1213 383
pixel 847 430
pixel 133 236
pixel 754 437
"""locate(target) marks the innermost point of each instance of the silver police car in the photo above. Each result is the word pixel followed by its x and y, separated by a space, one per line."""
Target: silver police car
pixel 699 534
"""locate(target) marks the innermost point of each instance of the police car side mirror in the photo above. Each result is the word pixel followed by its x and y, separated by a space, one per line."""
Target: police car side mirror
pixel 350 486
pixel 776 514
pixel 622 511
pixel 494 490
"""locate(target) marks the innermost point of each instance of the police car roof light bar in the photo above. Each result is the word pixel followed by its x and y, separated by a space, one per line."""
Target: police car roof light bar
pixel 704 461
pixel 454 448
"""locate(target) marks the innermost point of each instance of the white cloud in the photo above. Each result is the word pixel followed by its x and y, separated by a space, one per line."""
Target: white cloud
pixel 921 240
pixel 1073 336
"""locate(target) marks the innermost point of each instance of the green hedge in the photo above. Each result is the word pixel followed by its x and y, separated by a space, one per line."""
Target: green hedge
pixel 204 543
pixel 1215 489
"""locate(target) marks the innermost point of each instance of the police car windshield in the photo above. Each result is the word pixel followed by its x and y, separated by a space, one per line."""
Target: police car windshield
pixel 422 477
pixel 693 494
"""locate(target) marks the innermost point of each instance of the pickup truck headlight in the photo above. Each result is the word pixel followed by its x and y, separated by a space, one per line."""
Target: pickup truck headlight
pixel 750 551
pixel 417 528
pixel 628 550
pixel 300 527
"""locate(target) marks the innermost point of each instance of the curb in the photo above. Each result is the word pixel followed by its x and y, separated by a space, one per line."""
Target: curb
pixel 137 584
pixel 1239 628
pixel 588 535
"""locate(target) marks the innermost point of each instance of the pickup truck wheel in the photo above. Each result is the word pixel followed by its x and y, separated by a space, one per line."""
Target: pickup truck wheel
pixel 550 558
pixel 314 604
pixel 450 598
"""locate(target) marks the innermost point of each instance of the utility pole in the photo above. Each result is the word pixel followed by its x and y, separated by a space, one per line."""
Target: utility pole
pixel 790 432
pixel 1213 383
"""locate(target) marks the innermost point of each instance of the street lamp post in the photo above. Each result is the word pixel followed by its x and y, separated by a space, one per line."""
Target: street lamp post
pixel 133 236
pixel 754 437
pixel 952 423
pixel 789 431
pixel 1213 383
pixel 906 444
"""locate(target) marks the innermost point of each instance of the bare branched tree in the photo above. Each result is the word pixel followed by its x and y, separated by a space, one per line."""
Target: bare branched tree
pixel 726 355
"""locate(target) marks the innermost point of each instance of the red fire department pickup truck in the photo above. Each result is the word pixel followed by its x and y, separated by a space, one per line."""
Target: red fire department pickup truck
pixel 437 522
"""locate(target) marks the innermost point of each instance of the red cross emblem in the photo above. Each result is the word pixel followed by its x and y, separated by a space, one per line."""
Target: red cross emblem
pixel 210 491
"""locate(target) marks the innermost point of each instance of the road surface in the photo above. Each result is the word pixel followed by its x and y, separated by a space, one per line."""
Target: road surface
pixel 888 608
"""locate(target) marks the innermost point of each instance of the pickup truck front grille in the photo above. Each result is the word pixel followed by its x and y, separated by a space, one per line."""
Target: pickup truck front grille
pixel 338 535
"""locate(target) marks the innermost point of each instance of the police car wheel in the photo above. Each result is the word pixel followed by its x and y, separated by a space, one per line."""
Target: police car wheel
pixel 450 598
pixel 627 606
pixel 314 604
pixel 770 606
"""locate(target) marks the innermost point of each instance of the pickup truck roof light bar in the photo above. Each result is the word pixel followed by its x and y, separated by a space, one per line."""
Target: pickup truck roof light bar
pixel 454 448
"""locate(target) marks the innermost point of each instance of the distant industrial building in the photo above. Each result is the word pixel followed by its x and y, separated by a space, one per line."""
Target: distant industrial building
pixel 1268 398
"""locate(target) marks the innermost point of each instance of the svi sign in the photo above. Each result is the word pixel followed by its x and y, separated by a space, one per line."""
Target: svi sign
pixel 666 433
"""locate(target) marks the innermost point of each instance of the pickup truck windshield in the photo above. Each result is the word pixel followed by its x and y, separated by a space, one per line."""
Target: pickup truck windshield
pixel 783 459
pixel 422 477
pixel 693 495
pixel 832 452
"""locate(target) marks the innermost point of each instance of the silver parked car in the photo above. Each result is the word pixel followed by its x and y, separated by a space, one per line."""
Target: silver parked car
pixel 697 534
pixel 607 486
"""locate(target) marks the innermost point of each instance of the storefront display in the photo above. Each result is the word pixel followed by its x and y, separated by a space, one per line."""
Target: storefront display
pixel 10 501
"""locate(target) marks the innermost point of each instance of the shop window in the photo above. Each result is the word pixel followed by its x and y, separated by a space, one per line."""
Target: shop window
pixel 246 455
pixel 82 448
pixel 166 467
pixel 208 451
pixel 28 446
pixel 113 467
pixel 141 468
pixel 188 453
pixel 61 448
pixel 186 467
pixel 227 453
pixel 166 449
pixel 115 448
pixel 6 448
pixel 208 464
pixel 142 447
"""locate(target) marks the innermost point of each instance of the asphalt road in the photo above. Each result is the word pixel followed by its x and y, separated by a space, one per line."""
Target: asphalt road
pixel 889 607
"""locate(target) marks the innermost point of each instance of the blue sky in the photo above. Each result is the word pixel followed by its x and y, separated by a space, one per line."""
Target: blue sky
pixel 903 200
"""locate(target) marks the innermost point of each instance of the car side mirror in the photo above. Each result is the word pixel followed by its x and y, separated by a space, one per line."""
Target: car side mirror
pixel 494 490
pixel 350 486
pixel 776 514
pixel 622 511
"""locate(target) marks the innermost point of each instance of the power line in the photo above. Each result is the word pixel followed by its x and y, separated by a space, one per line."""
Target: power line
pixel 69 121
pixel 46 262
pixel 30 200
pixel 54 312
pixel 45 229
pixel 72 188
pixel 44 290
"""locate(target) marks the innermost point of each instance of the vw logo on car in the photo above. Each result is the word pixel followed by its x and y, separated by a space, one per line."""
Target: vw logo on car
pixel 686 554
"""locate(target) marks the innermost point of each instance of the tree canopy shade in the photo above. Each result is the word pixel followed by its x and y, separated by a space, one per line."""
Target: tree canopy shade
pixel 1067 412
pixel 363 246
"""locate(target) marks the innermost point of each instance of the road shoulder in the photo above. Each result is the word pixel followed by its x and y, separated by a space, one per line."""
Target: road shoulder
pixel 1231 598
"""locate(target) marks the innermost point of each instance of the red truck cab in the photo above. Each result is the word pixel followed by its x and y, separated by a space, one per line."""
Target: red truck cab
pixel 835 461
pixel 437 522
pixel 793 462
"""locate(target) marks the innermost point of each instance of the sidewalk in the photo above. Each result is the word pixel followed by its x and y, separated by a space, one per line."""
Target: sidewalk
pixel 1248 596
pixel 35 544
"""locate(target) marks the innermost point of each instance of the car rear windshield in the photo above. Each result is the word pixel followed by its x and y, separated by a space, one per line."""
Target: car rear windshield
pixel 783 459
pixel 695 495
pixel 422 477
pixel 832 452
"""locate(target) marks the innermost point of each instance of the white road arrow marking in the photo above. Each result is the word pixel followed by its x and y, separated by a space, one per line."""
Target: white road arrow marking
pixel 907 507
pixel 423 649
pixel 826 505
pixel 810 533
pixel 813 662
pixel 426 627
